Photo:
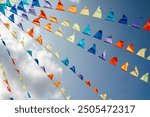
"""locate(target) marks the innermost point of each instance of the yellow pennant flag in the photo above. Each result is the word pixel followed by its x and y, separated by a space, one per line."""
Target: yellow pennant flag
pixel 57 55
pixel 98 13
pixel 103 96
pixel 141 52
pixel 14 1
pixel 71 38
pixel 65 23
pixel 62 91
pixel 85 11
pixel 68 97
pixel 59 32
pixel 145 77
pixel 135 72
pixel 14 33
pixel 49 47
pixel 125 66
pixel 148 58
pixel 76 27
pixel 48 27
pixel 40 40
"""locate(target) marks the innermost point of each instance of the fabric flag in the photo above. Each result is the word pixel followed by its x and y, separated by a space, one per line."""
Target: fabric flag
pixel 92 49
pixel 48 27
pixel 9 89
pixel 40 40
pixel 30 32
pixel 147 26
pixel 57 55
pixel 65 23
pixel 42 14
pixel 11 17
pixel 13 9
pixel 141 52
pixel 85 11
pixel 2 10
pixel 95 90
pixel 21 6
pixel 3 42
pixel 60 6
pixel 98 35
pixel 29 52
pixel 87 30
pixel 73 69
pixel 65 62
pixel 7 25
pixel 43 68
pixel 145 77
pixel 124 67
pixel 123 20
pixel 72 9
pixel 108 40
pixel 35 3
pixel 130 48
pixel 110 16
pixel 32 11
pixel 76 27
pixel 36 21
pixel 120 44
pixel 25 2
pixel 25 16
pixel 80 76
pixel 53 19
pixel 137 23
pixel 29 96
pixel 22 43
pixel 20 26
pixel 148 58
pixel 14 33
pixel 88 83
pixel 8 52
pixel 59 32
pixel 62 91
pixel 98 13
pixel 135 72
pixel 48 47
pixel 103 96
pixel 14 1
pixel 47 4
pixel 103 56
pixel 114 61
pixel 37 61
pixel 81 43
pixel 6 81
pixel 71 38
pixel 57 84
pixel 8 3
pixel 51 76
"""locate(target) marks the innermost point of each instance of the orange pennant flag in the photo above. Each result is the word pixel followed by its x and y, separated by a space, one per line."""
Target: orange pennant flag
pixel 60 6
pixel 88 83
pixel 40 40
pixel 53 19
pixel 114 61
pixel 42 14
pixel 147 26
pixel 48 27
pixel 7 25
pixel 130 48
pixel 6 81
pixel 125 66
pixel 36 21
pixel 9 89
pixel 72 9
pixel 51 76
pixel 30 32
pixel 57 84
pixel 95 90
pixel 120 44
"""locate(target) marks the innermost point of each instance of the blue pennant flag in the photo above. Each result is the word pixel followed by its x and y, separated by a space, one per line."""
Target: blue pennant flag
pixel 98 35
pixel 13 9
pixel 93 49
pixel 21 6
pixel 8 3
pixel 110 16
pixel 25 2
pixel 2 10
pixel 47 4
pixel 80 76
pixel 29 52
pixel 123 20
pixel 65 61
pixel 37 61
pixel 35 3
pixel 81 43
pixel 11 17
pixel 73 69
pixel 87 30
pixel 20 26
pixel 137 23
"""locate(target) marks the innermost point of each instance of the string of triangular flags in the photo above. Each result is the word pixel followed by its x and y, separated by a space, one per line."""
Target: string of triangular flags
pixel 92 50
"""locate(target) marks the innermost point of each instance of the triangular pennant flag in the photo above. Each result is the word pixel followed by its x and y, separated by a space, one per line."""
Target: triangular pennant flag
pixel 7 25
pixel 88 83
pixel 25 16
pixel 11 17
pixel 80 76
pixel 25 2
pixel 147 26
pixel 104 96
pixel 98 35
pixel 59 32
pixel 40 40
pixel 48 47
pixel 123 20
pixel 47 4
pixel 6 81
pixel 65 61
pixel 8 3
pixel 145 77
pixel 43 68
pixel 25 87
pixel 32 11
pixel 135 72
pixel 29 52
pixel 110 16
pixel 141 52
pixel 148 58
pixel 2 10
pixel 103 56
pixel 98 13
pixel 73 69
pixel 71 38
pixel 11 98
pixel 35 3
pixel 21 6
pixel 51 76
pixel 87 30
pixel 124 67
pixel 36 21
pixel 68 97
pixel 72 9
pixel 130 48
pixel 37 61
pixel 95 90
pixel 85 11
pixel 137 23
pixel 13 9
pixel 48 27
pixel 114 61
pixel 53 19
pixel 57 55
pixel 42 14
pixel 57 84
pixel 9 89
pixel 21 78
pixel 120 44
pixel 81 43
pixel 3 42
pixel 20 26
pixel 108 40
pixel 8 52
pixel 65 23
pixel 30 32
pixel 14 1
pixel 22 43
pixel 29 96
pixel 14 33
pixel 62 91
pixel 76 27
pixel 60 6
pixel 92 49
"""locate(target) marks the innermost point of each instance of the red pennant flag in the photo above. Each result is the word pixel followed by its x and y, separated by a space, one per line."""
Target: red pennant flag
pixel 120 44
pixel 87 82
pixel 42 14
pixel 51 76
pixel 30 32
pixel 36 21
pixel 114 61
